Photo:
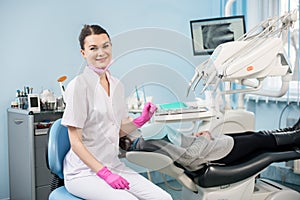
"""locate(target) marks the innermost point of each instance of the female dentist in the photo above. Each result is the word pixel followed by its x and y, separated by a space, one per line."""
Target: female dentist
pixel 96 116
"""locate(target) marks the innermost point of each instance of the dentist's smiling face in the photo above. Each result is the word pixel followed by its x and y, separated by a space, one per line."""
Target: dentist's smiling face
pixel 97 50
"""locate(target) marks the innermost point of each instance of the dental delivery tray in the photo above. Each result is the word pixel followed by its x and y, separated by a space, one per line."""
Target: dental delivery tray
pixel 179 108
pixel 174 105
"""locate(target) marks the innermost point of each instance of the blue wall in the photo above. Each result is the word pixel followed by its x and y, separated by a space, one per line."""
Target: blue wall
pixel 39 44
pixel 274 114
pixel 151 44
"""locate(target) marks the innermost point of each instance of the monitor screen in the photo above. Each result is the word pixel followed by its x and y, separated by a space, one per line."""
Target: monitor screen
pixel 34 101
pixel 207 34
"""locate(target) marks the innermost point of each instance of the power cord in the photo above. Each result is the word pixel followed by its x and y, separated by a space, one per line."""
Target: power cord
pixel 282 112
pixel 168 185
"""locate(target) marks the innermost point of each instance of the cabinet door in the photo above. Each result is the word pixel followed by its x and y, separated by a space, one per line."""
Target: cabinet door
pixel 43 175
pixel 21 156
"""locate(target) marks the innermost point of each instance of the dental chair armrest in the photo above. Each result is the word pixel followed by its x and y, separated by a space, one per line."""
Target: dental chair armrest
pixel 163 164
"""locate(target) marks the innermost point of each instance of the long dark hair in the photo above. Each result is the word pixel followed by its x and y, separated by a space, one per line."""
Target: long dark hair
pixel 90 30
pixel 125 143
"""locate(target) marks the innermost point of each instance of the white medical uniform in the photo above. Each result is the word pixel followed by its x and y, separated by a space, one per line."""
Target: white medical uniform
pixel 89 107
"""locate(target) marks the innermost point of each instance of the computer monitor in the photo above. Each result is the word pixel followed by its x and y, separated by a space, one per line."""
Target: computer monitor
pixel 207 34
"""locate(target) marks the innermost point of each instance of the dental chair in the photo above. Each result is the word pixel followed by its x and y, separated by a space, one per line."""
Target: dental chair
pixel 58 146
pixel 230 182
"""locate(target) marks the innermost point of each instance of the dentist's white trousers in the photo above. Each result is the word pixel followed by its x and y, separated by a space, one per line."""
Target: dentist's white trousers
pixel 95 188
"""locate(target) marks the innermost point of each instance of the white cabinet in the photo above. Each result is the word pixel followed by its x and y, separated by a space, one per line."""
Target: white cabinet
pixel 29 176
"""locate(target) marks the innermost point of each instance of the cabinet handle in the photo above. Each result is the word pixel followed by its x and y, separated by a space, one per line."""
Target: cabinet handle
pixel 19 121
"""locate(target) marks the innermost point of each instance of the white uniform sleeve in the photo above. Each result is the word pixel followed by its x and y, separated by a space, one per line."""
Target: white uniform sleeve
pixel 75 113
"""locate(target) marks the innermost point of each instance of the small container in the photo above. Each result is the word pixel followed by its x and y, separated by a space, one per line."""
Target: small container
pixel 50 105
pixel 60 103
pixel 21 104
pixel 14 104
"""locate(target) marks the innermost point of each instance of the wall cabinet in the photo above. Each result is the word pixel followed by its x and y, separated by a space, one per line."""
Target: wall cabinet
pixel 29 176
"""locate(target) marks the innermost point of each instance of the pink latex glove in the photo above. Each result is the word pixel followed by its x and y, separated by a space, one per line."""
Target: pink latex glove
pixel 146 115
pixel 114 180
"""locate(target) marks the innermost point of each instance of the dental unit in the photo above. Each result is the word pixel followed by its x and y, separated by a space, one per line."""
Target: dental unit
pixel 246 62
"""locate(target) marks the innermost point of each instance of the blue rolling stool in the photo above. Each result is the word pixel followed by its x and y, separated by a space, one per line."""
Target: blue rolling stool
pixel 58 146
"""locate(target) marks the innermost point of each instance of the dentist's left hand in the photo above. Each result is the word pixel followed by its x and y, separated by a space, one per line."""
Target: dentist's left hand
pixel 148 111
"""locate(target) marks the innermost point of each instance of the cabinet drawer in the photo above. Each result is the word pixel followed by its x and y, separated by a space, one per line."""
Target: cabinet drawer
pixel 42 193
pixel 40 141
pixel 42 173
pixel 42 176
pixel 40 158
pixel 40 148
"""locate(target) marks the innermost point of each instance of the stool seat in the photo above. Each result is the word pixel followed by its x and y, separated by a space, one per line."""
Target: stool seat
pixel 62 193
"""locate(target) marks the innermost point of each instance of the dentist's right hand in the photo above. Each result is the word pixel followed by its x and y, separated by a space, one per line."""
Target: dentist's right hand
pixel 114 180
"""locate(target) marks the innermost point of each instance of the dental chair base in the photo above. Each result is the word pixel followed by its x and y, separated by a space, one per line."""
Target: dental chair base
pixel 248 189
pixel 237 191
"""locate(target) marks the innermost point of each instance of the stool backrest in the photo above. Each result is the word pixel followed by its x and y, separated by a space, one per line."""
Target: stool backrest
pixel 58 146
